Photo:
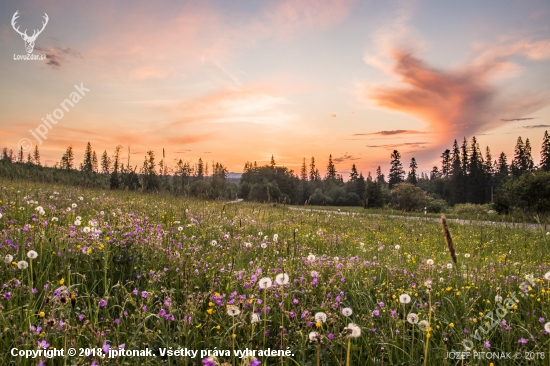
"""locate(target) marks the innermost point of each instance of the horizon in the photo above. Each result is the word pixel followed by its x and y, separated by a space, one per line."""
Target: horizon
pixel 244 81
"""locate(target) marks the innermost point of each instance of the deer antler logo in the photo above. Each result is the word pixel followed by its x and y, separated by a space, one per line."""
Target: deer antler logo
pixel 29 41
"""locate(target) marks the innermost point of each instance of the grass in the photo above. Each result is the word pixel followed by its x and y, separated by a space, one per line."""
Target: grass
pixel 159 272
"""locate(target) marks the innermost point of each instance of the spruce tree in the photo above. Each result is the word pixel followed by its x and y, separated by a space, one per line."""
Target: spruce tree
pixel 94 162
pixel 380 178
pixel 529 163
pixel 36 156
pixel 446 165
pixel 313 172
pixel 87 165
pixel 105 163
pixel 545 153
pixel 354 175
pixel 200 169
pixel 115 179
pixel 272 162
pixel 397 174
pixel 303 171
pixel 412 178
pixel 519 165
pixel 67 160
pixel 331 170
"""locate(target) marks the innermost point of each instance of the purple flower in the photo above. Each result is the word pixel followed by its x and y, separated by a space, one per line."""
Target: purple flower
pixel 7 296
pixel 487 344
pixel 256 363
pixel 144 294
pixel 43 344
pixel 106 347
pixel 102 303
pixel 144 308
pixel 376 312
pixel 208 362
pixel 330 336
pixel 522 341
pixel 393 313
pixel 541 320
pixel 116 321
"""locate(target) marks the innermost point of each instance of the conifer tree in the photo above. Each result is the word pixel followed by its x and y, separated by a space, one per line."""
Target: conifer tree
pixel 36 156
pixel 545 153
pixel 94 162
pixel 446 163
pixel 303 171
pixel 331 170
pixel 397 174
pixel 87 165
pixel 105 163
pixel 412 178
pixel 354 175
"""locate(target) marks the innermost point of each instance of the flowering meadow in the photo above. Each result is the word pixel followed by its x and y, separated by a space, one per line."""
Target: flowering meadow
pixel 114 270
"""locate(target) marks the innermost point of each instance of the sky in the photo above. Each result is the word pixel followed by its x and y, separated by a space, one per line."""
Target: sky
pixel 237 81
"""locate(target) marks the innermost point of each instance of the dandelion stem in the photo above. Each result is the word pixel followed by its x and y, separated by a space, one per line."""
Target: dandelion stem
pixel 349 351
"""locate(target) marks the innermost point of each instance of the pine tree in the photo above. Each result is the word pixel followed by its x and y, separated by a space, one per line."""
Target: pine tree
pixel 458 189
pixel 354 175
pixel 200 169
pixel 434 174
pixel 464 156
pixel 397 174
pixel 313 172
pixel 545 153
pixel 380 178
pixel 29 158
pixel 67 160
pixel 150 179
pixel 502 172
pixel 36 156
pixel 455 161
pixel 303 171
pixel 519 165
pixel 476 178
pixel 94 162
pixel 446 166
pixel 21 155
pixel 412 178
pixel 105 163
pixel 529 163
pixel 272 162
pixel 331 170
pixel 115 179
pixel 87 165
pixel 488 163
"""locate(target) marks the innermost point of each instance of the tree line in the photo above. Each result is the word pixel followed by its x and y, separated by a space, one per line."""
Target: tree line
pixel 465 175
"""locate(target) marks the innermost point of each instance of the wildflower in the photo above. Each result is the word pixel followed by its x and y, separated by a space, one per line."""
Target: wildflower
pixel 233 310
pixel 522 341
pixel 77 222
pixel 404 299
pixel 320 317
pixel 449 265
pixel 336 259
pixel 376 312
pixel 282 279
pixel 275 237
pixel 7 296
pixel 424 325
pixel 263 245
pixel 43 344
pixel 467 255
pixel 430 262
pixel 310 257
pixel 314 273
pixel 397 247
pixel 347 311
pixel 32 254
pixel 314 337
pixel 8 258
pixel 547 276
pixel 62 281
pixel 22 265
pixel 498 298
pixel 144 294
pixel 41 314
pixel 265 283
pixel 487 344
pixel 353 330
pixel 213 243
pixel 254 318
pixel 412 318
pixel 547 327
pixel 73 205
pixel 102 303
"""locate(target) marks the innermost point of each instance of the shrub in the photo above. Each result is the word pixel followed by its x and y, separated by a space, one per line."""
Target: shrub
pixel 408 197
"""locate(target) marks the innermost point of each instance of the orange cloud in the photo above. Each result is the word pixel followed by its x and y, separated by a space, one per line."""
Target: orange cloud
pixel 454 102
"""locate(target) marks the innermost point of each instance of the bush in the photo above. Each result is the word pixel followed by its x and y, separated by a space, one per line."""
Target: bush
pixel 470 209
pixel 408 197
pixel 437 205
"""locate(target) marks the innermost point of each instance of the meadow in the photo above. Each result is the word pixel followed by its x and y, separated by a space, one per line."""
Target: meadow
pixel 103 271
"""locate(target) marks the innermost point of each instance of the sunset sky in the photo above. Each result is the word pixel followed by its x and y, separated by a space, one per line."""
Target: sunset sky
pixel 233 81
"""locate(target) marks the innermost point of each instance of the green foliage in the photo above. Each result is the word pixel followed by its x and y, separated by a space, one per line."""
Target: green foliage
pixel 408 197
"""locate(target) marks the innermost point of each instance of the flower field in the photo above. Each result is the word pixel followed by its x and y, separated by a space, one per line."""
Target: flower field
pixel 110 271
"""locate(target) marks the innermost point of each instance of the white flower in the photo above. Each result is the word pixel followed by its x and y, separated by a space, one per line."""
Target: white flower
pixel 467 255
pixel 265 283
pixel 347 311
pixel 8 258
pixel 275 237
pixel 81 198
pixel 404 299
pixel 282 279
pixel 314 274
pixel 78 218
pixel 441 279
pixel 32 254
pixel 260 233
pixel 412 318
pixel 428 283
pixel 77 222
pixel 498 298
pixel 92 223
pixel 547 276
pixel 0 215
pixel 310 257
pixel 101 213
pixel 180 228
pixel 73 205
pixel 55 219
pixel 247 244
pixel 397 247
pixel 314 337
pixel 213 243
pixel 449 265
pixel 233 310
pixel 429 262
pixel 68 209
pixel 547 327
pixel 254 318
pixel 320 317
pixel 86 229
pixel 40 210
pixel 22 265
pixel 226 236
pixel 263 245
pixel 336 259
pixel 424 325
pixel 353 330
